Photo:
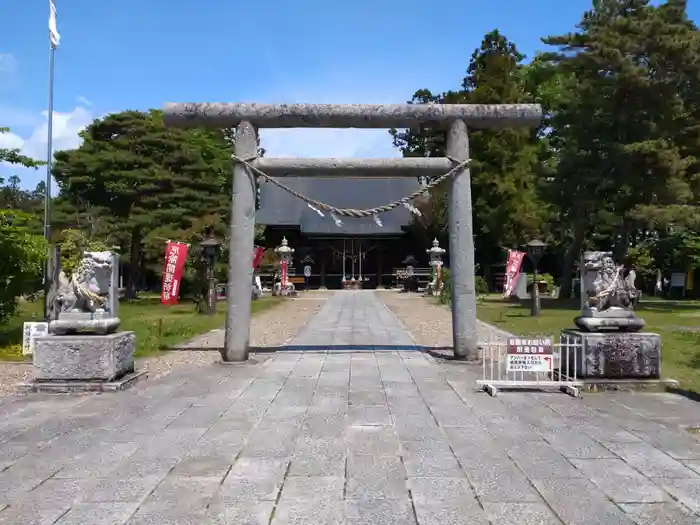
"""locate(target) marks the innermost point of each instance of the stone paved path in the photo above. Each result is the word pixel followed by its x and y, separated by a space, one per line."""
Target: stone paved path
pixel 341 437
pixel 353 319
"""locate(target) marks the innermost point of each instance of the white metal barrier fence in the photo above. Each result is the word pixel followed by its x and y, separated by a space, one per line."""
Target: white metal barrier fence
pixel 531 362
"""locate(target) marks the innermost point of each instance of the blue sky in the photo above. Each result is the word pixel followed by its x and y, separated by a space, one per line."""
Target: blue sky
pixel 140 54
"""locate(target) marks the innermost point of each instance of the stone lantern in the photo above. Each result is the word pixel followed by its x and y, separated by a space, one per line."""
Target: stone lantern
pixel 285 254
pixel 435 285
pixel 209 248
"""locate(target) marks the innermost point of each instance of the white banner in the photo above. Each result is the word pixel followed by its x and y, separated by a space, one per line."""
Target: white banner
pixel 54 36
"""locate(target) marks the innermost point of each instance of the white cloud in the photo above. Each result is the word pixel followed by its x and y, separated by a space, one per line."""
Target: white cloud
pixel 10 141
pixel 85 102
pixel 8 64
pixel 66 126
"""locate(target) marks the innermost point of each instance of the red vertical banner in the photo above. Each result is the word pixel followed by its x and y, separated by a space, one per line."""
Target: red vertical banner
pixel 515 260
pixel 257 256
pixel 283 274
pixel 175 257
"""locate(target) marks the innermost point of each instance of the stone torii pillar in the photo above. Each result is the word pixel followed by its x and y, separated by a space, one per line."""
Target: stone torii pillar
pixel 248 117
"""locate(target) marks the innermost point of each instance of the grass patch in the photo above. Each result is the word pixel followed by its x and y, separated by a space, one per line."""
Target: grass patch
pixel 157 327
pixel 678 322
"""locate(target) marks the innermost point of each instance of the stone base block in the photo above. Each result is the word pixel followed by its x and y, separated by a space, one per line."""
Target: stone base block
pixel 84 323
pixel 84 357
pixel 628 385
pixel 611 355
pixel 77 386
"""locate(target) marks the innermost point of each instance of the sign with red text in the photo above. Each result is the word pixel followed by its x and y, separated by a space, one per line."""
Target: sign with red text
pixel 515 260
pixel 530 354
pixel 175 257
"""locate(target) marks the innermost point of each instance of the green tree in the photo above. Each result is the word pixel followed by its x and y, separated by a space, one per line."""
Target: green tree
pixel 505 170
pixel 21 263
pixel 136 184
pixel 13 197
pixel 625 130
pixel 22 251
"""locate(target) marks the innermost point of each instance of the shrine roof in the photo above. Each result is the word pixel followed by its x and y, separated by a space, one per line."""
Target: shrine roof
pixel 279 208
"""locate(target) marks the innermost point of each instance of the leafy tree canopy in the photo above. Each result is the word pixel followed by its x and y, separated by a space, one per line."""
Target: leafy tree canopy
pixel 135 183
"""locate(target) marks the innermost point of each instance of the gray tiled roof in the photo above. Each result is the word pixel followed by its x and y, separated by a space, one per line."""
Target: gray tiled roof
pixel 278 208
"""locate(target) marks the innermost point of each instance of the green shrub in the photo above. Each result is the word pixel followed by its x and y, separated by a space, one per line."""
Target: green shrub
pixel 480 283
pixel 547 278
pixel 482 287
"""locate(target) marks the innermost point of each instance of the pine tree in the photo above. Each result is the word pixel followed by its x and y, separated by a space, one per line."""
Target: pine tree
pixel 617 132
pixel 505 170
pixel 138 183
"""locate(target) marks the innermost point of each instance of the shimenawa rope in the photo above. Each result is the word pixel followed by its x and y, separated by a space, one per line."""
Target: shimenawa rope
pixel 350 212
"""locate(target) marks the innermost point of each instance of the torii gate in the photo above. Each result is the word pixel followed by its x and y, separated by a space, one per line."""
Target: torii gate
pixel 458 118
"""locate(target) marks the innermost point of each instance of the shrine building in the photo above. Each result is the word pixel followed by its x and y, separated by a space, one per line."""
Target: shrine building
pixel 358 248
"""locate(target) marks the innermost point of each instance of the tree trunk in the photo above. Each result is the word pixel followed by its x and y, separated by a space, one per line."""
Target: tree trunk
pixel 572 253
pixel 134 258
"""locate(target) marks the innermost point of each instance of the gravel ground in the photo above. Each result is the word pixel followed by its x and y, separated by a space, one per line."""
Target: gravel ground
pixel 268 328
pixel 11 374
pixel 430 323
pixel 273 327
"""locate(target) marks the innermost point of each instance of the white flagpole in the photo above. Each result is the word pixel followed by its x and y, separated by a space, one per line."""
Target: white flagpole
pixel 49 153
pixel 54 38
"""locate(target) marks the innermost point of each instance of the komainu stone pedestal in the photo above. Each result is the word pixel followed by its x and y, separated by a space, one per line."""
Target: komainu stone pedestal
pixel 611 355
pixel 84 357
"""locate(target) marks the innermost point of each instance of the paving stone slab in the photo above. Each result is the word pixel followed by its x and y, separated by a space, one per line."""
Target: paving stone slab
pixel 98 461
pixel 254 478
pixel 620 482
pixel 650 461
pixel 372 440
pixel 542 461
pixel 687 491
pixel 197 417
pixel 185 492
pixel 307 511
pixel 33 513
pixel 497 479
pixel 376 510
pixel 438 489
pixel 313 487
pixel 576 445
pixel 133 490
pixel 520 514
pixel 432 463
pixel 98 514
pixel 660 514
pixel 167 515
pixel 375 477
pixel 463 511
pixel 580 501
pixel 141 465
pixel 207 463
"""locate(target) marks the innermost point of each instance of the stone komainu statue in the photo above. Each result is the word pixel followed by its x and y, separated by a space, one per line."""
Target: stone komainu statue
pixel 609 295
pixel 87 301
pixel 612 285
pixel 88 287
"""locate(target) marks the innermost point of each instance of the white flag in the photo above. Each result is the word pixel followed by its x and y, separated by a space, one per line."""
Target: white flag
pixel 54 37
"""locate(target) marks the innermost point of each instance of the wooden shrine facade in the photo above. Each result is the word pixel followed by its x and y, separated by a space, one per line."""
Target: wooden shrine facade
pixel 357 249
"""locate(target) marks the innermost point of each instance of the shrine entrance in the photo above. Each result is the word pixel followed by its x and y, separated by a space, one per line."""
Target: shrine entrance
pixel 354 263
pixel 453 168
